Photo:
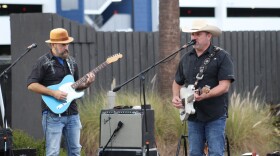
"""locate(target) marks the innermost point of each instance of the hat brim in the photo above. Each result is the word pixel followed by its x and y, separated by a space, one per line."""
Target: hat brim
pixel 70 39
pixel 215 31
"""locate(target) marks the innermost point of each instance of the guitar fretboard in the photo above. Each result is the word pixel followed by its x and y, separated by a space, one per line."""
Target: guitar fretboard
pixel 84 78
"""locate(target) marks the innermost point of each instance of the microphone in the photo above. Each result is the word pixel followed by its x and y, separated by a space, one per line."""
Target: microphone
pixel 120 124
pixel 116 88
pixel 192 42
pixel 33 45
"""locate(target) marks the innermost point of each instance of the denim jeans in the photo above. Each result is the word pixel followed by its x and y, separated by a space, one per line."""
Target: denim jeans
pixel 68 126
pixel 213 132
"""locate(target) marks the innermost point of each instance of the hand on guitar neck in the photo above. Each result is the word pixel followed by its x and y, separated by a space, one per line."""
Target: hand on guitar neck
pixel 201 94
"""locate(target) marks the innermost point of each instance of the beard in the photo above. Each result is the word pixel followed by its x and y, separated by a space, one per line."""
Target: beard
pixel 64 54
pixel 197 46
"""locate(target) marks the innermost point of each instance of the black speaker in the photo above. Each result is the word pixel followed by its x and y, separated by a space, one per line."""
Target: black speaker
pixel 19 152
pixel 8 152
pixel 25 152
pixel 132 134
pixel 125 152
pixel 6 139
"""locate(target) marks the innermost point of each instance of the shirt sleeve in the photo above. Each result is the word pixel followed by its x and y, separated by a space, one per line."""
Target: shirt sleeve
pixel 226 70
pixel 179 75
pixel 36 75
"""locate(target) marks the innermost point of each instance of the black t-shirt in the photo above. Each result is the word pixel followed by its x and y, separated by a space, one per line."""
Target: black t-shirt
pixel 219 68
pixel 49 71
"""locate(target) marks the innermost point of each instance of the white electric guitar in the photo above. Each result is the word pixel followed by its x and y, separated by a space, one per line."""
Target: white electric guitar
pixel 69 86
pixel 187 96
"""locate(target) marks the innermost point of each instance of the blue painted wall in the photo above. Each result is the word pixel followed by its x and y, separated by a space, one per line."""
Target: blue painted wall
pixel 142 15
pixel 75 15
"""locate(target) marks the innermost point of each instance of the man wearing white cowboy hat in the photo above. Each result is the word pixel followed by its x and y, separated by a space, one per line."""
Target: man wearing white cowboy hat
pixel 205 65
pixel 50 69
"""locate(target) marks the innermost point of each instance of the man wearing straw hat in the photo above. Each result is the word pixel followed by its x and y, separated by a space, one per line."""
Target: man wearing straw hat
pixel 211 66
pixel 50 69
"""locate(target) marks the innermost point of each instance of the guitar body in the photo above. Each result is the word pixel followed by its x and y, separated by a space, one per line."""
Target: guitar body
pixel 60 106
pixel 186 94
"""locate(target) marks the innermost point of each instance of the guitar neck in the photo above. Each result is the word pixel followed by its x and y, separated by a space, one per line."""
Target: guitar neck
pixel 84 78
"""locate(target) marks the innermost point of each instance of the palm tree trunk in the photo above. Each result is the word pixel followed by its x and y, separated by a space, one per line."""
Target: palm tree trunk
pixel 169 42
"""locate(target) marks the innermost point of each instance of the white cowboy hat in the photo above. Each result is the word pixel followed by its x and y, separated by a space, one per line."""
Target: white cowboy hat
pixel 202 25
pixel 59 35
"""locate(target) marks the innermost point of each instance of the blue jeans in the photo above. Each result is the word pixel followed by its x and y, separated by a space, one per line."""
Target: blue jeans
pixel 213 132
pixel 68 126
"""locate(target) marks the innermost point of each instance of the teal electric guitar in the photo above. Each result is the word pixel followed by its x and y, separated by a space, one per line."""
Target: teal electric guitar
pixel 69 86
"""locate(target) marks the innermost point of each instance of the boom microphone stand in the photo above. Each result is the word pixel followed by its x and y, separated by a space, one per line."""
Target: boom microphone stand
pixel 142 78
pixel 6 131
pixel 120 124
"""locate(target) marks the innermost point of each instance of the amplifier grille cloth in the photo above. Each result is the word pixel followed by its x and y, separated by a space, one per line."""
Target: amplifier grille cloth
pixel 130 135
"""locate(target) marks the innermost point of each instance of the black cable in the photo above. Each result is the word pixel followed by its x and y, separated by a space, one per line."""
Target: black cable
pixel 228 148
pixel 110 128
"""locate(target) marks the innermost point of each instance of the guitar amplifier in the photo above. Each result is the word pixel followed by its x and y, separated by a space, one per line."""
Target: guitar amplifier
pixel 132 134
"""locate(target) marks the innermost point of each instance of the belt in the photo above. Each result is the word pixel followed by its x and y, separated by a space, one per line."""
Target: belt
pixel 66 113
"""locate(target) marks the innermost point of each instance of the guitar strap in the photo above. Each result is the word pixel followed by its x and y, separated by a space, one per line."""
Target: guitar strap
pixel 202 68
pixel 70 65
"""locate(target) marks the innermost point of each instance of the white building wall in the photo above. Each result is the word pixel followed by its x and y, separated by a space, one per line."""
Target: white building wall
pixel 48 6
pixel 234 23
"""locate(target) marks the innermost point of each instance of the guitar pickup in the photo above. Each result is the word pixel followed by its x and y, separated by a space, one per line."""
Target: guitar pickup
pixel 183 102
pixel 182 113
pixel 61 105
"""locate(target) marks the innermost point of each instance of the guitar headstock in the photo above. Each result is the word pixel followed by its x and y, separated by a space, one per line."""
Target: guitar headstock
pixel 113 58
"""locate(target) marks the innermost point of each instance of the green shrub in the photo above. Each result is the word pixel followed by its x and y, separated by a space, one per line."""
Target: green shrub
pixel 250 125
pixel 22 140
pixel 89 114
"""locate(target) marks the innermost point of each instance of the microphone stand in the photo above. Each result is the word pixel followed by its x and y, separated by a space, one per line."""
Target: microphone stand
pixel 8 68
pixel 5 75
pixel 102 153
pixel 142 80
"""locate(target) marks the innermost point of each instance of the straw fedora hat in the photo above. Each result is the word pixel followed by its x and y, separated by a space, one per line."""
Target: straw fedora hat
pixel 59 35
pixel 202 25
